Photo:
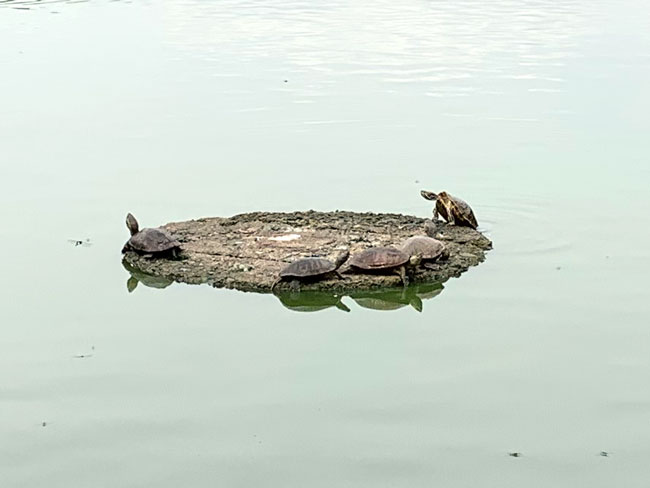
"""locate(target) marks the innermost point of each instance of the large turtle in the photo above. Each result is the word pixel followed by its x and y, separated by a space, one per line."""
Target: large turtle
pixel 151 242
pixel 454 210
pixel 310 268
pixel 384 259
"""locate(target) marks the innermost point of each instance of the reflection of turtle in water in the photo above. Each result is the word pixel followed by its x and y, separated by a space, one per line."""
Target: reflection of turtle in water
pixel 384 259
pixel 138 276
pixel 150 242
pixel 396 298
pixel 311 301
pixel 310 269
pixel 452 209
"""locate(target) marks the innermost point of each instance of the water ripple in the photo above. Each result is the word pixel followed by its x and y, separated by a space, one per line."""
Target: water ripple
pixel 434 44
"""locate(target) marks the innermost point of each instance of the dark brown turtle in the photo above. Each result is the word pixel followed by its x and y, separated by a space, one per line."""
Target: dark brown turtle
pixel 311 268
pixel 452 209
pixel 384 259
pixel 152 242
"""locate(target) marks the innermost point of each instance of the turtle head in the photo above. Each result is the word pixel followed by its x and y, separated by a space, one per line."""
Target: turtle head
pixel 430 228
pixel 132 224
pixel 415 260
pixel 429 195
pixel 341 258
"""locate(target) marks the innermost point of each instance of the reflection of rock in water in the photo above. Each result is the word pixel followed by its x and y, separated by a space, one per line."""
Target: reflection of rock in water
pixel 148 280
pixel 396 298
pixel 311 301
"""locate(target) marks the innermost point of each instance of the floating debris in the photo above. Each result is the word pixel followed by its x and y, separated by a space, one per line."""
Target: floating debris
pixel 76 242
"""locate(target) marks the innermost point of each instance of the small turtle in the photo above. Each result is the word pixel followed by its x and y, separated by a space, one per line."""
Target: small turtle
pixel 151 242
pixel 384 259
pixel 311 268
pixel 454 210
pixel 427 248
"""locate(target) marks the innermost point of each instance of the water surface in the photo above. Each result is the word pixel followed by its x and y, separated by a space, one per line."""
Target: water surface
pixel 533 111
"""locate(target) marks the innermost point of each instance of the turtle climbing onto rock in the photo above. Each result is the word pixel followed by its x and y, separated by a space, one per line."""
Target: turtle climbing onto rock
pixel 150 242
pixel 454 210
pixel 427 248
pixel 310 269
pixel 384 259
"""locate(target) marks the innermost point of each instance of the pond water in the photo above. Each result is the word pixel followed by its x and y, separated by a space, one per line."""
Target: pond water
pixel 535 111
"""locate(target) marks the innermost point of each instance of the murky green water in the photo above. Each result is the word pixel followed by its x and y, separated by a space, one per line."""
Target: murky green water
pixel 536 112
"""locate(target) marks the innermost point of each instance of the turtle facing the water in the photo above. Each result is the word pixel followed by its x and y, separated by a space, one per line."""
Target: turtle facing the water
pixel 454 210
pixel 384 259
pixel 311 268
pixel 427 248
pixel 152 242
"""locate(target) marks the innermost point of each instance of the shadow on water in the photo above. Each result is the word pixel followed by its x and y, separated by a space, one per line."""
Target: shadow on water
pixel 396 298
pixel 148 280
pixel 385 299
pixel 311 301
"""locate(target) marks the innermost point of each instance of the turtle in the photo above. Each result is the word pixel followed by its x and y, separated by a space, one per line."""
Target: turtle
pixel 454 210
pixel 150 242
pixel 385 259
pixel 427 248
pixel 310 268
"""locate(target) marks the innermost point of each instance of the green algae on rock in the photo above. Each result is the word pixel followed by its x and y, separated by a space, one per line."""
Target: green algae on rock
pixel 247 251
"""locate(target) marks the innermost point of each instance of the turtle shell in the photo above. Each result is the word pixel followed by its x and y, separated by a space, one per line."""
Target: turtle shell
pixel 379 258
pixel 460 209
pixel 307 267
pixel 425 247
pixel 152 240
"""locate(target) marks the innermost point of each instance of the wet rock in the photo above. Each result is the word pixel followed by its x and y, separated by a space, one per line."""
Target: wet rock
pixel 247 251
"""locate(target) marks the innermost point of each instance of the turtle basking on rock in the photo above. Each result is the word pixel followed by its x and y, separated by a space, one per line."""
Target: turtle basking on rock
pixel 454 210
pixel 310 269
pixel 384 259
pixel 426 248
pixel 150 242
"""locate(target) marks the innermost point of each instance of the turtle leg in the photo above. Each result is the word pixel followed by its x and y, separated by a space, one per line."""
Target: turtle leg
pixel 401 271
pixel 294 285
pixel 342 306
pixel 275 283
pixel 131 284
pixel 338 275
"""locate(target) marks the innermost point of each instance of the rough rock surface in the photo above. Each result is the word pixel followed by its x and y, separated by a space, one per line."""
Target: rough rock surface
pixel 247 251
